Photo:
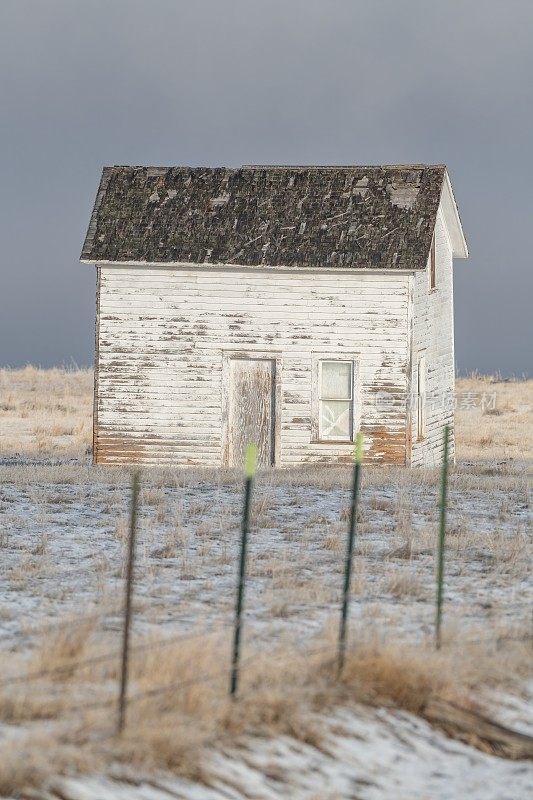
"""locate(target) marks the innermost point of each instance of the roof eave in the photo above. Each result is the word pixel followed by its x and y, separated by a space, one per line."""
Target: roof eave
pixel 222 265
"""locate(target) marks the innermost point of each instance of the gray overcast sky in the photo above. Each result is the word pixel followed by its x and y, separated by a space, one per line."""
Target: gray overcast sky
pixel 226 82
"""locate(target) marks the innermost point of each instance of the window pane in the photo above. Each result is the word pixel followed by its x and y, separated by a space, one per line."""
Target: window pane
pixel 336 380
pixel 335 419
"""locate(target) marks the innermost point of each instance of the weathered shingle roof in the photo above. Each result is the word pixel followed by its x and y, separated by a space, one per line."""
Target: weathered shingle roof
pixel 361 217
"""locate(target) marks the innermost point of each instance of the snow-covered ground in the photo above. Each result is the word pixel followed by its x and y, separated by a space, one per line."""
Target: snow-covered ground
pixel 63 542
pixel 63 538
pixel 364 754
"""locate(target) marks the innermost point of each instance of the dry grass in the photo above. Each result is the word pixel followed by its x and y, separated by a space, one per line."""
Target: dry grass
pixel 502 422
pixel 334 537
pixel 46 412
pixel 28 761
pixel 49 412
pixel 179 703
pixel 405 583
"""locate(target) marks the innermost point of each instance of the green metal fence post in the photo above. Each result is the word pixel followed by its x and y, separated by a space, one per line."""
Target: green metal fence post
pixel 127 604
pixel 249 471
pixel 442 534
pixel 358 457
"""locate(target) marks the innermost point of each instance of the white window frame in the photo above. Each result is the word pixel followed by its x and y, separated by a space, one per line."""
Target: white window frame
pixel 421 378
pixel 432 264
pixel 316 425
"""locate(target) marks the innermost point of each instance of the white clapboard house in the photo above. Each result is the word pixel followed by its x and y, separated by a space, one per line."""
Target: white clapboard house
pixel 286 306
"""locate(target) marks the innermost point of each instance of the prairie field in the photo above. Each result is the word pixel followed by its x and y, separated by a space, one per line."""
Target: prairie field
pixel 402 719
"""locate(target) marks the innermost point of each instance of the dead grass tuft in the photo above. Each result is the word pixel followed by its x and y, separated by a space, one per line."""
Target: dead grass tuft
pixel 383 672
pixel 64 650
pixel 405 583
pixel 28 761
pixel 334 538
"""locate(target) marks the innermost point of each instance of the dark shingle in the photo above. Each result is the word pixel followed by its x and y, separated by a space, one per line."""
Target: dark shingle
pixel 360 217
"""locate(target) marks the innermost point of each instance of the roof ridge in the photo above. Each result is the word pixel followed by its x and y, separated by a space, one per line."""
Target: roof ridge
pixel 277 166
pixel 343 166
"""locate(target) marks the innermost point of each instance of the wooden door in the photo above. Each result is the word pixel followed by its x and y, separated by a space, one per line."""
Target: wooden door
pixel 251 409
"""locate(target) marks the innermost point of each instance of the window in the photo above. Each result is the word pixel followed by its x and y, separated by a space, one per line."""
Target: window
pixel 421 399
pixel 432 265
pixel 335 400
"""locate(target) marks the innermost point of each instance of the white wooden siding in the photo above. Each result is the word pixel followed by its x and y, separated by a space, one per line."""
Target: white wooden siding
pixel 432 337
pixel 164 333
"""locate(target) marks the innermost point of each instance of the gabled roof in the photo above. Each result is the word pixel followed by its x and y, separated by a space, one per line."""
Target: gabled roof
pixel 359 217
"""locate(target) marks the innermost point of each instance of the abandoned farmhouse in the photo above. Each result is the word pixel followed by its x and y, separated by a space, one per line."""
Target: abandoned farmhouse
pixel 287 306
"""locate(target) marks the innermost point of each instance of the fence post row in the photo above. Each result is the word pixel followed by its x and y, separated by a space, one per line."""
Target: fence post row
pixel 358 457
pixel 249 472
pixel 442 534
pixel 127 603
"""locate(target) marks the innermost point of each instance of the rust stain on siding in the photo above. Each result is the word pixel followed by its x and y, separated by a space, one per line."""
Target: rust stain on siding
pixel 386 446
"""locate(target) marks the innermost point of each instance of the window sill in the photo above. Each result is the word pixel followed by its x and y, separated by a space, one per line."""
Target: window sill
pixel 332 441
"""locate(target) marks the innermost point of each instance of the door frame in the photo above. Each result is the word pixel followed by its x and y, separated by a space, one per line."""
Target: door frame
pixel 254 355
